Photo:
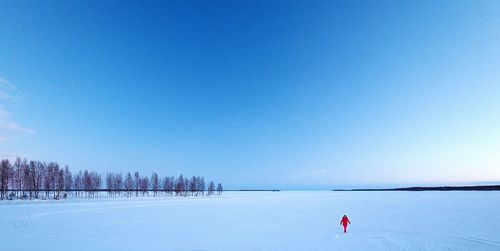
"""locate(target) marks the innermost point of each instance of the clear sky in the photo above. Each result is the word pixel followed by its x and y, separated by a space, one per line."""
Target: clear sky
pixel 256 94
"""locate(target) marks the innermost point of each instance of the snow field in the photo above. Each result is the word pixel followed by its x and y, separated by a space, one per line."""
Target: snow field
pixel 257 221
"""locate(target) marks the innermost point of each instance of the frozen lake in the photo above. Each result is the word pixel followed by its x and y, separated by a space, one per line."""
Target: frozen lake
pixel 257 221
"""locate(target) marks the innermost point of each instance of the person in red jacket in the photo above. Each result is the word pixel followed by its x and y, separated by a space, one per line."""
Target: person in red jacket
pixel 344 222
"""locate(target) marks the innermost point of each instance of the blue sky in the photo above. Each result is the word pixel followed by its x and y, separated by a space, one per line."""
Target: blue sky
pixel 256 94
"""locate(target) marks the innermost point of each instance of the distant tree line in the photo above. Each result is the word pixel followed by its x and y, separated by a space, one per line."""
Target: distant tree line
pixel 25 179
pixel 129 184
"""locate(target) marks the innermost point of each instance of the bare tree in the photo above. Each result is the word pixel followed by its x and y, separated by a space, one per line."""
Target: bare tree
pixel 110 183
pixel 68 181
pixel 137 183
pixel 144 186
pixel 201 185
pixel 219 188
pixel 18 176
pixel 29 178
pixel 179 185
pixel 154 183
pixel 168 185
pixel 24 177
pixel 97 183
pixel 192 185
pixel 118 185
pixel 78 183
pixel 211 188
pixel 186 186
pixel 4 177
pixel 60 182
pixel 128 184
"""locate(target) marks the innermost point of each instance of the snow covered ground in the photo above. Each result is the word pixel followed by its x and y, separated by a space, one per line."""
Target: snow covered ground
pixel 257 221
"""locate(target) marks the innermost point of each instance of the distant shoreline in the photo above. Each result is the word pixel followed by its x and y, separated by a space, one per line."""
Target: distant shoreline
pixel 438 188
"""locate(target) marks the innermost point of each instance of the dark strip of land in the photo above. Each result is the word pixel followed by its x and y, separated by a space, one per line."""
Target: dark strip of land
pixel 442 188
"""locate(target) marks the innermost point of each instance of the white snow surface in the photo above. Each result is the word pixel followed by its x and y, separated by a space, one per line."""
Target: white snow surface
pixel 257 221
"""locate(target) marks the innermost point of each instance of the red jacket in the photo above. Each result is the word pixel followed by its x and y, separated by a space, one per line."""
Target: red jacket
pixel 344 221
